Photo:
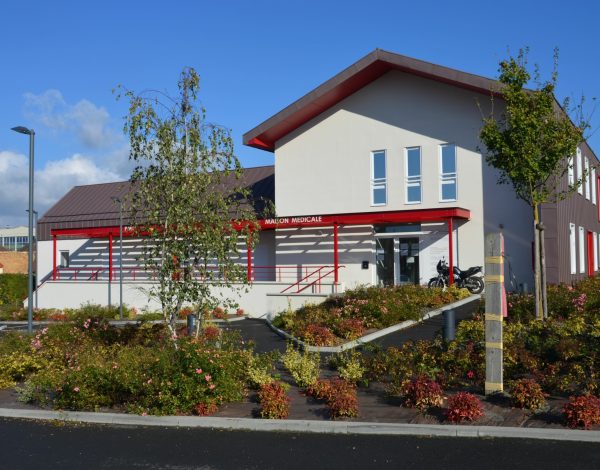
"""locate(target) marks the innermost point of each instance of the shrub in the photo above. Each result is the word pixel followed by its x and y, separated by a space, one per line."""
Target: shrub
pixel 259 368
pixel 422 393
pixel 339 395
pixel 304 367
pixel 205 409
pixel 274 402
pixel 463 407
pixel 582 411
pixel 320 390
pixel 318 335
pixel 527 393
pixel 342 400
pixel 350 328
pixel 349 365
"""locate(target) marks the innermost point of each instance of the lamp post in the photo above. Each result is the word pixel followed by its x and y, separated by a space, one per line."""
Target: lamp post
pixel 120 202
pixel 31 134
pixel 37 272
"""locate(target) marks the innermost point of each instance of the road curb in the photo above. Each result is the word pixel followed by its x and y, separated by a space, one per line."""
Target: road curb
pixel 320 427
pixel 371 336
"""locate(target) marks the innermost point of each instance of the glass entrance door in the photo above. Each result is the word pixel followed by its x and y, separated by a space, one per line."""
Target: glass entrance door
pixel 384 254
pixel 409 260
pixel 397 260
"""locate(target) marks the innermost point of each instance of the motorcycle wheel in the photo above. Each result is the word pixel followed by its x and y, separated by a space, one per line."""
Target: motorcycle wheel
pixel 475 285
pixel 436 282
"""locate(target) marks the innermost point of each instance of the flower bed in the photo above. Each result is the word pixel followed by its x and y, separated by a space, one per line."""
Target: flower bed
pixel 89 365
pixel 349 316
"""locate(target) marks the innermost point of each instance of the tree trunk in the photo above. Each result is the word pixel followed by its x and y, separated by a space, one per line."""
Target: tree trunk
pixel 544 295
pixel 537 276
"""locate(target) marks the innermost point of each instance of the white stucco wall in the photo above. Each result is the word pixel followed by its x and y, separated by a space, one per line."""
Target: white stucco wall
pixel 324 166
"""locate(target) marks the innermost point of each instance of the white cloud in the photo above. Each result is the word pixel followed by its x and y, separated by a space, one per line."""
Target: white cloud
pixel 51 183
pixel 89 122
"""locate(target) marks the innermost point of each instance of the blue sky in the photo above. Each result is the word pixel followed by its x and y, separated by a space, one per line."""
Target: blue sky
pixel 61 60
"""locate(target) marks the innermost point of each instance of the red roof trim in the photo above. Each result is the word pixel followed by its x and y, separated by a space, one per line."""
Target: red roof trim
pixel 350 80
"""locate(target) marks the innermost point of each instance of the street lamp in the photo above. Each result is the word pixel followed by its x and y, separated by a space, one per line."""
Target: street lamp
pixel 120 202
pixel 37 271
pixel 31 134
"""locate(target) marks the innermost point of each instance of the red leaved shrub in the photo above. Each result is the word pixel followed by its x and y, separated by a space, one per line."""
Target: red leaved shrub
pixel 582 411
pixel 211 333
pixel 463 407
pixel 339 394
pixel 205 409
pixel 351 328
pixel 318 335
pixel 274 402
pixel 422 393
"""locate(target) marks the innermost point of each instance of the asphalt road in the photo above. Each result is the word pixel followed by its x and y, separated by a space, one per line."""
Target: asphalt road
pixel 39 445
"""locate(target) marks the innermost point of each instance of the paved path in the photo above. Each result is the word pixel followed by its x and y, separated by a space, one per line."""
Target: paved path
pixel 36 445
pixel 267 340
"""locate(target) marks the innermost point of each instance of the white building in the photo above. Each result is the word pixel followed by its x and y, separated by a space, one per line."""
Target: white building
pixel 378 175
pixel 14 238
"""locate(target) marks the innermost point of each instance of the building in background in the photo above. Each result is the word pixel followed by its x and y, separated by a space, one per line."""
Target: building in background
pixel 14 238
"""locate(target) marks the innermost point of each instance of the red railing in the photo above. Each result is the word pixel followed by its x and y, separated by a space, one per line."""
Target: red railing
pixel 313 278
pixel 294 274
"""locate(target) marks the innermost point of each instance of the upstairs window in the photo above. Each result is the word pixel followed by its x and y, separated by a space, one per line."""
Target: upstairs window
pixel 413 175
pixel 579 172
pixel 587 179
pixel 571 171
pixel 378 178
pixel 594 184
pixel 448 191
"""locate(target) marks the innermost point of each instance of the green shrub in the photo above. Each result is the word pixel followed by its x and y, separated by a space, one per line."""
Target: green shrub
pixel 350 366
pixel 13 288
pixel 303 367
pixel 527 393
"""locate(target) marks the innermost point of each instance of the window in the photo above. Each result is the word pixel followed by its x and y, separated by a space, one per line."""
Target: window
pixel 595 251
pixel 594 184
pixel 580 171
pixel 572 249
pixel 64 259
pixel 448 172
pixel 571 171
pixel 378 178
pixel 587 178
pixel 581 250
pixel 413 175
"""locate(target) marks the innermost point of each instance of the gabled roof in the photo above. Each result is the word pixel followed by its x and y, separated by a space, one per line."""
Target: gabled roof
pixel 92 206
pixel 350 80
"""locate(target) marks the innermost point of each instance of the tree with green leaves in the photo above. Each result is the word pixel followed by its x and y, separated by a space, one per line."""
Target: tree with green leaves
pixel 531 142
pixel 188 202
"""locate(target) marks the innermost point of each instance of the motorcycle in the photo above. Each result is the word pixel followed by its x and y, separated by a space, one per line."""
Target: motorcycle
pixel 462 279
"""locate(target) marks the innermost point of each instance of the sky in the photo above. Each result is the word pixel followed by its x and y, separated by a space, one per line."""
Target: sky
pixel 60 62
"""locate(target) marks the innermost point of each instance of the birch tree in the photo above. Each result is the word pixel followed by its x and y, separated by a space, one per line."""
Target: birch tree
pixel 188 202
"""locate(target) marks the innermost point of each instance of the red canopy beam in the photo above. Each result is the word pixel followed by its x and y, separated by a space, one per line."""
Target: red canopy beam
pixel 54 258
pixel 335 252
pixel 450 252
